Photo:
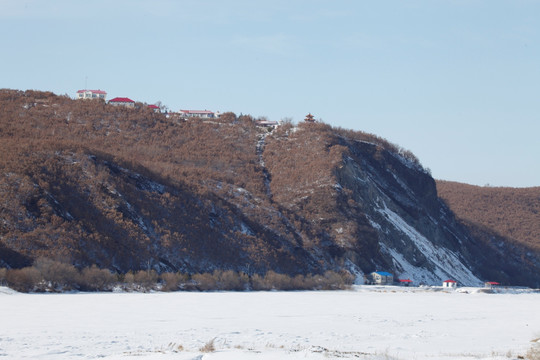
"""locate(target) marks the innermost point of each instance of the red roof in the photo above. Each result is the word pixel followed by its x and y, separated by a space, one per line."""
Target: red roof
pixel 93 91
pixel 450 281
pixel 153 106
pixel 492 283
pixel 121 99
pixel 405 280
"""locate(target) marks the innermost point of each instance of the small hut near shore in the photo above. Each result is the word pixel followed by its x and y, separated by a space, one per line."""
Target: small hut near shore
pixel 449 284
pixel 380 278
pixel 405 282
pixel 491 284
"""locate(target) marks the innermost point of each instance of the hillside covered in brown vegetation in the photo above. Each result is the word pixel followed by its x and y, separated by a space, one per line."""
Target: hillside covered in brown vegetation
pixel 87 183
pixel 512 213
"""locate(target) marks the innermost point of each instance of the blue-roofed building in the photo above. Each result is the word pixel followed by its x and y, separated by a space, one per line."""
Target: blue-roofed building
pixel 381 278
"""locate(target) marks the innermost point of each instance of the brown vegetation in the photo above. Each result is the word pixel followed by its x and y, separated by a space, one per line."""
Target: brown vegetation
pixel 106 190
pixel 95 184
pixel 534 352
pixel 208 347
pixel 24 280
pixel 173 281
pixel 96 279
pixel 513 213
pixel 55 276
pixel 3 272
pixel 92 183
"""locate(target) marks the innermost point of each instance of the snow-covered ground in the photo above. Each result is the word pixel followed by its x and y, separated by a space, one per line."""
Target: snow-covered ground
pixel 365 323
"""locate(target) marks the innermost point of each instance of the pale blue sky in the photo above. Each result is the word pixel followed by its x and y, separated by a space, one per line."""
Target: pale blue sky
pixel 456 82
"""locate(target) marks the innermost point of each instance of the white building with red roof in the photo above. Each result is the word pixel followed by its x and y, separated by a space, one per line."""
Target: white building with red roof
pixel 491 284
pixel 122 101
pixel 203 114
pixel 91 94
pixel 449 283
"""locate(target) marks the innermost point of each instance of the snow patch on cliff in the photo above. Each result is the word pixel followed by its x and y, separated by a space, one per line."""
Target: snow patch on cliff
pixel 445 262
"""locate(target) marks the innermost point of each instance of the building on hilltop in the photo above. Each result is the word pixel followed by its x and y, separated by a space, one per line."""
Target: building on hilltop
pixel 154 107
pixel 309 118
pixel 91 94
pixel 122 101
pixel 267 123
pixel 203 114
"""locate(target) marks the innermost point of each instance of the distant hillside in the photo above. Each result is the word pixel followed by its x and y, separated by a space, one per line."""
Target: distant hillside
pixel 129 189
pixel 513 213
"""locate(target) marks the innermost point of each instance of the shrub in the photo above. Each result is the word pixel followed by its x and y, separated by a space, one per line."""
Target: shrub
pixel 24 280
pixel 57 275
pixel 146 279
pixel 129 280
pixel 278 281
pixel 301 282
pixel 259 283
pixel 533 353
pixel 208 347
pixel 204 282
pixel 231 280
pixel 49 275
pixel 96 279
pixel 3 272
pixel 172 281
pixel 329 281
pixel 332 281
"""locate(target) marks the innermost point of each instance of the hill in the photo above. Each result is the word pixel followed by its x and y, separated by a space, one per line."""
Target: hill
pixel 512 213
pixel 127 189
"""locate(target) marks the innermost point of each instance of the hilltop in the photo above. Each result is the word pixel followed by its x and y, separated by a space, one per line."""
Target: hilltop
pixel 128 188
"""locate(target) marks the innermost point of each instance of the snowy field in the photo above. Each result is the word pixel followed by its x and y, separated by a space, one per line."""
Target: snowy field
pixel 364 323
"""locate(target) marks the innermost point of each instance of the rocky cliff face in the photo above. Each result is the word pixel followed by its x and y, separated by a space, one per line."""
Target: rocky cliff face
pixel 386 215
pixel 417 233
pixel 130 189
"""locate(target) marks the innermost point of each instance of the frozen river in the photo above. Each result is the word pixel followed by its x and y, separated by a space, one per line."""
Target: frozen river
pixel 365 323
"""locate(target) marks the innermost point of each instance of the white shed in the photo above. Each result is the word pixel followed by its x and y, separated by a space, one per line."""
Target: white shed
pixel 491 284
pixel 449 284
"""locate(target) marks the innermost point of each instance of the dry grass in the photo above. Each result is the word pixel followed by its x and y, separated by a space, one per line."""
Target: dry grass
pixel 209 347
pixel 534 352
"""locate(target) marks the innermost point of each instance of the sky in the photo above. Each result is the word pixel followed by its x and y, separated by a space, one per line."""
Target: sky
pixel 457 82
